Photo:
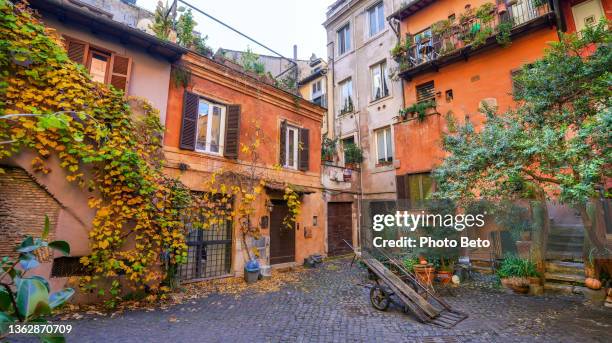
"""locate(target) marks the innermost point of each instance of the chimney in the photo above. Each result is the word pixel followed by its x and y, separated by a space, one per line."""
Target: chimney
pixel 295 52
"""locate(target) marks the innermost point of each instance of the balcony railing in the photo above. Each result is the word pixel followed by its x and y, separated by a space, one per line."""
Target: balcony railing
pixel 469 32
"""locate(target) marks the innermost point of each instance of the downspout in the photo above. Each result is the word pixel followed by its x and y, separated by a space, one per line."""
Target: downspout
pixel 559 17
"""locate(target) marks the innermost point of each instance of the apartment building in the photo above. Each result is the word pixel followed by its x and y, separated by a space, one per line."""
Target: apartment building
pixel 210 120
pixel 363 100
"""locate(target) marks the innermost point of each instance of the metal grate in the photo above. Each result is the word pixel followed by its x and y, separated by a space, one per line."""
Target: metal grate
pixel 68 266
pixel 209 252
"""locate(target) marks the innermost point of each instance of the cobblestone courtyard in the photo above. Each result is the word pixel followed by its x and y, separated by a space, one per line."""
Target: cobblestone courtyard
pixel 330 304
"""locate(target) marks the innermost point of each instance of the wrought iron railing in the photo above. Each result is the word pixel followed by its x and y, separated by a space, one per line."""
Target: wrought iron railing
pixel 471 31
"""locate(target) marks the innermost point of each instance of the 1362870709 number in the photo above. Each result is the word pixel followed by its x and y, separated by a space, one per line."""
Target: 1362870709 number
pixel 35 329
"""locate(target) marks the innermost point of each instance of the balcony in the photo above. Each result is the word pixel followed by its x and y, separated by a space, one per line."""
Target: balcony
pixel 448 41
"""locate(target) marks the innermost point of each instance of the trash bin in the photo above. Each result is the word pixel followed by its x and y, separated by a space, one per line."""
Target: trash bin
pixel 251 271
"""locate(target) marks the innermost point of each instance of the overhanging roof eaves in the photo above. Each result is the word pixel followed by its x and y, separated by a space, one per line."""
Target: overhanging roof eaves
pixel 97 23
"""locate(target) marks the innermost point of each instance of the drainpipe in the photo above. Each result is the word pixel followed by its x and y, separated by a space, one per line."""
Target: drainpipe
pixel 558 16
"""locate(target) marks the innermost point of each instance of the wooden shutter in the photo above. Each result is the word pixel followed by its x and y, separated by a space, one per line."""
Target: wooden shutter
pixel 400 185
pixel 232 131
pixel 283 135
pixel 189 123
pixel 425 92
pixel 77 50
pixel 304 152
pixel 121 67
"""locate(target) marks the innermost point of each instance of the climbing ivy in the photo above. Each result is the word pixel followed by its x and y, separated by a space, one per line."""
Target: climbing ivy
pixel 294 205
pixel 105 148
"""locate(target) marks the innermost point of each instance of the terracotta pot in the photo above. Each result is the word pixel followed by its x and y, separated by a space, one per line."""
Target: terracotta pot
pixel 519 289
pixel 444 276
pixel 501 8
pixel 534 280
pixel 424 274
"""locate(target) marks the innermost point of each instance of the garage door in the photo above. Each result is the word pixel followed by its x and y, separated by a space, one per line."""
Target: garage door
pixel 339 227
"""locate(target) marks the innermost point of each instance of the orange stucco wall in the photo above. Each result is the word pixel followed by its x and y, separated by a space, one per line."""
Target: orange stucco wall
pixel 268 107
pixel 484 76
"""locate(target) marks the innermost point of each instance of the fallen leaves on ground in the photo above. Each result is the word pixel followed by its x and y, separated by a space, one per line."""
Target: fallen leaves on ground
pixel 235 286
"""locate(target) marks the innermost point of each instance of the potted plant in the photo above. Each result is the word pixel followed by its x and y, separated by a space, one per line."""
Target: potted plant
pixel 398 51
pixel 418 110
pixel 353 156
pixel 424 272
pixel 328 148
pixel 515 272
pixel 445 272
pixel 519 285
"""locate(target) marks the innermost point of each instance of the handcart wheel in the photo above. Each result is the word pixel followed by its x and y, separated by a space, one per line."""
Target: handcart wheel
pixel 379 298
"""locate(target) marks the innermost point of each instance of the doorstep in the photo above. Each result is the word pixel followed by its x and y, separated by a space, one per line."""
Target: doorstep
pixel 284 266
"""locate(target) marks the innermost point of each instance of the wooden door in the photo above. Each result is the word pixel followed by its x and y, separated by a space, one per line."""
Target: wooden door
pixel 282 239
pixel 339 228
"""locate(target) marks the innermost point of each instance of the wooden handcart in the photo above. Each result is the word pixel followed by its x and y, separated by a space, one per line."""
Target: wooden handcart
pixel 402 285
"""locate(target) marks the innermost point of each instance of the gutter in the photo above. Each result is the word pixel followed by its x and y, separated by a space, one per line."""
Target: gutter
pixel 66 11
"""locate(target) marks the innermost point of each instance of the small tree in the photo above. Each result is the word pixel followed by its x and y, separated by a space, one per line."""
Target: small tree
pixel 555 144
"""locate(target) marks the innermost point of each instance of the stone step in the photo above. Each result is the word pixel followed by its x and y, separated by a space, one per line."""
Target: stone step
pixel 564 255
pixel 569 278
pixel 576 268
pixel 566 242
pixel 563 288
pixel 567 230
pixel 572 237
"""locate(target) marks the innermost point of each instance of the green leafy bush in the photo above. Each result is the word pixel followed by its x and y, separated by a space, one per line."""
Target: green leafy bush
pixel 513 266
pixel 353 154
pixel 29 299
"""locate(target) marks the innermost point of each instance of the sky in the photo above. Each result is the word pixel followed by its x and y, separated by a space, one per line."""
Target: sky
pixel 277 24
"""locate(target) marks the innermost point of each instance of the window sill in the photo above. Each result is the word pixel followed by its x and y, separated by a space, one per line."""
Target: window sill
pixel 377 35
pixel 381 99
pixel 339 57
pixel 217 154
pixel 381 168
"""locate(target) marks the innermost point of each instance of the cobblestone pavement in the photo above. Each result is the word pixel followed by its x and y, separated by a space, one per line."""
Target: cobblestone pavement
pixel 330 304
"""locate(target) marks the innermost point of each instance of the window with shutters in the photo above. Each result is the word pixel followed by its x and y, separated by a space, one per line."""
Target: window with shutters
pixel 384 151
pixel 98 65
pixel 425 92
pixel 210 127
pixel 103 65
pixel 291 147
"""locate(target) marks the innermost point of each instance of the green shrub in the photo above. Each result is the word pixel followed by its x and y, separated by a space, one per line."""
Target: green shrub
pixel 513 266
pixel 353 154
